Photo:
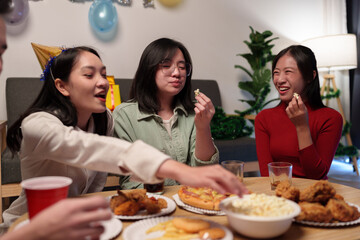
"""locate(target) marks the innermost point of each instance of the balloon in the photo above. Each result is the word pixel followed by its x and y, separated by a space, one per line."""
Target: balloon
pixel 170 3
pixel 20 10
pixel 102 15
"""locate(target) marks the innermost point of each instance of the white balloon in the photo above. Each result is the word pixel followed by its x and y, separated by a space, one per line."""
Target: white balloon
pixel 20 11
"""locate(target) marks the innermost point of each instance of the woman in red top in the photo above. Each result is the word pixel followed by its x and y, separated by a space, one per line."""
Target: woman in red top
pixel 300 130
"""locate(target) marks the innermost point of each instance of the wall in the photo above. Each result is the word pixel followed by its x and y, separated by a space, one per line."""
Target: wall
pixel 212 30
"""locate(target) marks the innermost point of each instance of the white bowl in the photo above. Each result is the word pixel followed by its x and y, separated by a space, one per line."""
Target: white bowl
pixel 258 226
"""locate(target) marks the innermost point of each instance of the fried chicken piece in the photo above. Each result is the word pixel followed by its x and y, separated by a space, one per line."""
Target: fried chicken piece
pixel 338 196
pixel 314 212
pixel 341 211
pixel 292 194
pixel 162 203
pixel 136 194
pixel 128 208
pixel 151 205
pixel 117 200
pixel 282 187
pixel 356 212
pixel 285 190
pixel 320 192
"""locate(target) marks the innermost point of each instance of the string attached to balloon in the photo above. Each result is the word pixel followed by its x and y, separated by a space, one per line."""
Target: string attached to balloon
pixel 121 2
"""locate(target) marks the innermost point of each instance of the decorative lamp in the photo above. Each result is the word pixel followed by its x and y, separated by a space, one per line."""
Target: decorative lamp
pixel 334 52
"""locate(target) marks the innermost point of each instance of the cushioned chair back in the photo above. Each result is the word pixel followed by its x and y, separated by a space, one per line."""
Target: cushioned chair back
pixel 208 87
pixel 124 85
pixel 20 94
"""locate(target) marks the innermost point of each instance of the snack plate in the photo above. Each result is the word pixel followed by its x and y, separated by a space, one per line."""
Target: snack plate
pixel 337 224
pixel 138 229
pixel 171 206
pixel 195 209
pixel 112 228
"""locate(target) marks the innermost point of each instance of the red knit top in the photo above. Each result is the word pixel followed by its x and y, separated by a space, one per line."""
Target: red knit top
pixel 276 141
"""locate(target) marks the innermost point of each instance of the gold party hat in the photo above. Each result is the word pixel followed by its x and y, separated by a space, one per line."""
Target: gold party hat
pixel 44 53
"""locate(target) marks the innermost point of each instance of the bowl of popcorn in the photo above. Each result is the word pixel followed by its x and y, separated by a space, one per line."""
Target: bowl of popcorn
pixel 260 215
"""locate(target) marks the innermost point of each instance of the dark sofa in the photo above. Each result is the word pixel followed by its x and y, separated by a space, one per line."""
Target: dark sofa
pixel 21 92
pixel 243 148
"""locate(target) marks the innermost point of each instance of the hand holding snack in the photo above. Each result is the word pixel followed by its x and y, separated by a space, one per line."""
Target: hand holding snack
pixel 296 96
pixel 297 111
pixel 197 92
pixel 204 110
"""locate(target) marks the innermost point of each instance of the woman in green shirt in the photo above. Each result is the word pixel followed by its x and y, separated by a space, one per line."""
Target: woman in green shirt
pixel 161 112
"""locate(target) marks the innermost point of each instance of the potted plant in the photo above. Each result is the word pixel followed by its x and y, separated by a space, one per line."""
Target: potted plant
pixel 258 59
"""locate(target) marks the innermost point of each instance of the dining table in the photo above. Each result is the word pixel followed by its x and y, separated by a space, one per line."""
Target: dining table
pixel 296 231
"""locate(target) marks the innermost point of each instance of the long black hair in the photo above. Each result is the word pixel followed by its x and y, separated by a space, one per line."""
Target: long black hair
pixel 50 100
pixel 5 6
pixel 306 62
pixel 144 89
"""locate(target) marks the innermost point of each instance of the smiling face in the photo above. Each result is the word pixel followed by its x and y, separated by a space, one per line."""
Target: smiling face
pixel 170 83
pixel 287 78
pixel 87 85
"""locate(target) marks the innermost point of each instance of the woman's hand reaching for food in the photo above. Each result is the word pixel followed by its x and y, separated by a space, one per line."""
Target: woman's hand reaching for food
pixel 213 176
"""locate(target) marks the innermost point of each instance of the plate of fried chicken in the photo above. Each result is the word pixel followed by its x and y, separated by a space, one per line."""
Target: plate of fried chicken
pixel 320 205
pixel 138 204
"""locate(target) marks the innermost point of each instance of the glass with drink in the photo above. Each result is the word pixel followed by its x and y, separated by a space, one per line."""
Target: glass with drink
pixel 278 172
pixel 157 188
pixel 235 166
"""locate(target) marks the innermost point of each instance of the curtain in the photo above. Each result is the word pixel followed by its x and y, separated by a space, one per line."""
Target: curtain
pixel 353 25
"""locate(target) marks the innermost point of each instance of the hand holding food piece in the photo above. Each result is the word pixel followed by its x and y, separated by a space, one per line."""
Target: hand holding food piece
pixel 197 92
pixel 296 96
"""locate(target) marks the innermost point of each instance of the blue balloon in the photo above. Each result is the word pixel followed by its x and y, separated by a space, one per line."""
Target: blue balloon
pixel 102 15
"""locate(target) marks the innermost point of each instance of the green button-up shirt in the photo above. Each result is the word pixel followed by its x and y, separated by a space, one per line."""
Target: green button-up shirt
pixel 131 125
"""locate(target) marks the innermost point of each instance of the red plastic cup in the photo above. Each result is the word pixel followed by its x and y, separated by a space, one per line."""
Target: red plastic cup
pixel 41 192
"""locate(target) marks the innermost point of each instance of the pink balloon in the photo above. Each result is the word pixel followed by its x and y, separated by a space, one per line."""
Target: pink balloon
pixel 20 10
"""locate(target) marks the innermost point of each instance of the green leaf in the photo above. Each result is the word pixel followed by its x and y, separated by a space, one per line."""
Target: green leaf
pixel 270 101
pixel 228 127
pixel 244 69
pixel 260 55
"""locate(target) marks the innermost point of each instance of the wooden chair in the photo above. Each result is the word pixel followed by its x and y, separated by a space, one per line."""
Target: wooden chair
pixel 9 189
